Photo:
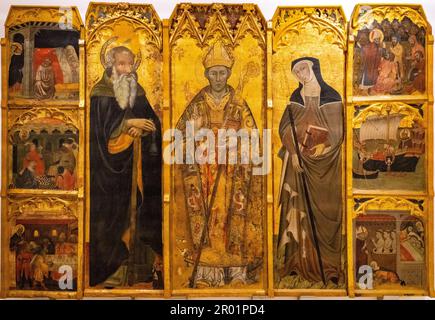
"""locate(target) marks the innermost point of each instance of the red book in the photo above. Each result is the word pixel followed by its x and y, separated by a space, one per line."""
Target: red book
pixel 313 136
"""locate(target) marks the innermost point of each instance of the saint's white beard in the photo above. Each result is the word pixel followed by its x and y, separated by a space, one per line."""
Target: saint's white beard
pixel 125 89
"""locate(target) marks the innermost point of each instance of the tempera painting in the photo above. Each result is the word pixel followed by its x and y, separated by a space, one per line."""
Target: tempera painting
pixel 44 155
pixel 309 240
pixel 218 218
pixel 389 147
pixel 389 251
pixel 125 157
pixel 389 56
pixel 43 250
pixel 44 62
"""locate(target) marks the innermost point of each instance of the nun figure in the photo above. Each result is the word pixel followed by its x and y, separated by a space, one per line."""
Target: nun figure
pixel 311 131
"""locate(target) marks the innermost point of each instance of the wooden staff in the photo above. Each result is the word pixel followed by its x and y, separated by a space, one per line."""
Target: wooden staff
pixel 131 274
pixel 192 280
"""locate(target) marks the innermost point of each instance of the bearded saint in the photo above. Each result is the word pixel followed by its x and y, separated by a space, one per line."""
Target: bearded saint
pixel 45 80
pixel 225 255
pixel 125 176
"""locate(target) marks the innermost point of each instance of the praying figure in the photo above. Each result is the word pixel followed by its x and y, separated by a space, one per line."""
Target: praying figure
pixel 45 80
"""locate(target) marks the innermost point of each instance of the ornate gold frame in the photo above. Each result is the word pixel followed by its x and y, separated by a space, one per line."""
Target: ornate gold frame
pixel 100 18
pixel 18 111
pixel 15 113
pixel 182 20
pixel 390 200
pixel 288 20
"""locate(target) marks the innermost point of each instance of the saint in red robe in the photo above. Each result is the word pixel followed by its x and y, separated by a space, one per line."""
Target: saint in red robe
pixel 370 59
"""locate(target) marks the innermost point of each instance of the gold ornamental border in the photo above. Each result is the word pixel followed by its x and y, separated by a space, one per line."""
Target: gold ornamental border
pixel 16 112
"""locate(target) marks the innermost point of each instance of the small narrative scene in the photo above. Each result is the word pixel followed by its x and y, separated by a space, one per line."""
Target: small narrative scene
pixel 389 148
pixel 43 254
pixel 389 251
pixel 44 155
pixel 44 62
pixel 389 59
